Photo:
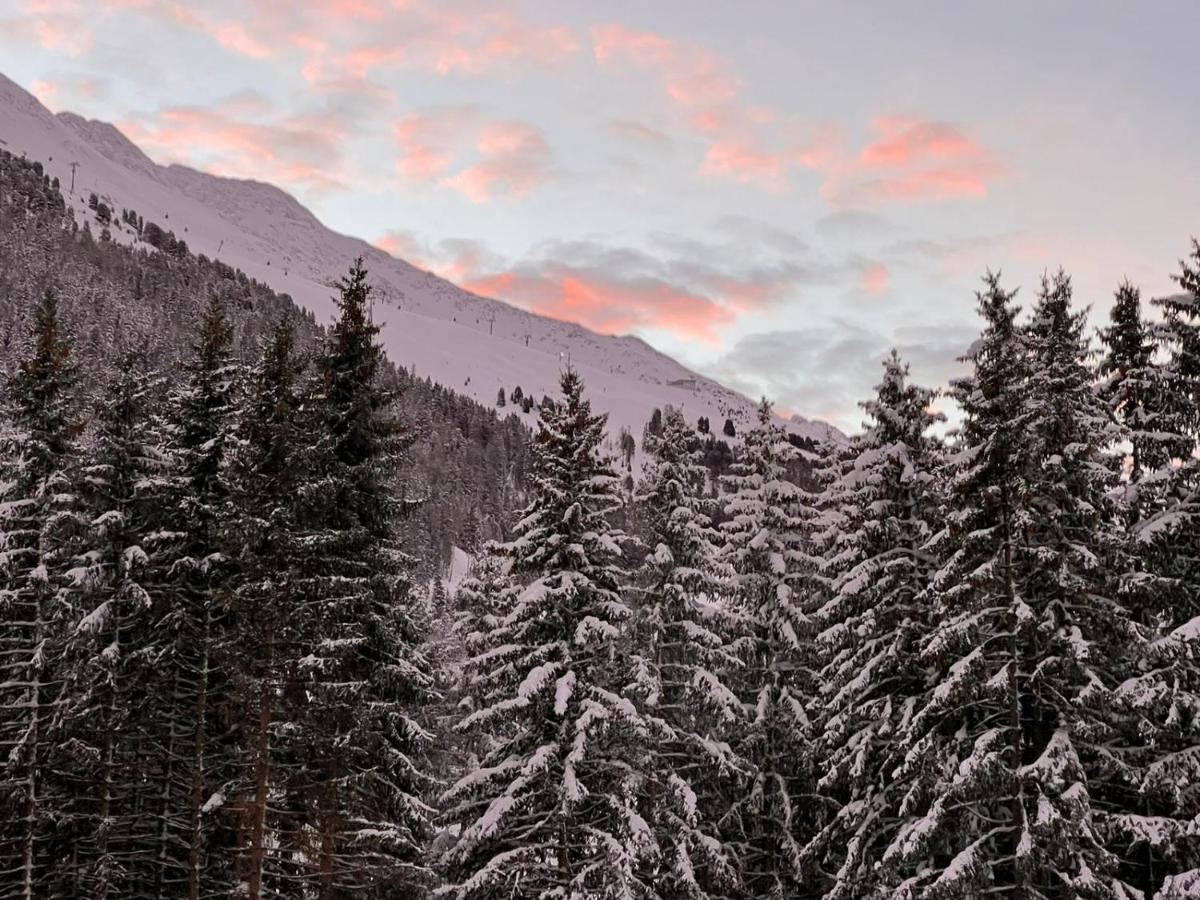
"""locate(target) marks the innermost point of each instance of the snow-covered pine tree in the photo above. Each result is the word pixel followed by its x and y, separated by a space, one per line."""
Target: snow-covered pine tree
pixel 38 518
pixel 126 485
pixel 480 604
pixel 767 547
pixel 1179 335
pixel 1030 633
pixel 195 730
pixel 1133 388
pixel 549 811
pixel 274 610
pixel 1165 694
pixel 881 513
pixel 681 647
pixel 368 674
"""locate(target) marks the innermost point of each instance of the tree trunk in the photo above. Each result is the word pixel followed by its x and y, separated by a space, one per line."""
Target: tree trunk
pixel 195 856
pixel 262 767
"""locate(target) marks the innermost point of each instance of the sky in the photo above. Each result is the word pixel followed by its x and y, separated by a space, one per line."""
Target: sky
pixel 775 193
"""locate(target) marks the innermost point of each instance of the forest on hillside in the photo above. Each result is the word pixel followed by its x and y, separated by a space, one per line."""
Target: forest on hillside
pixel 921 665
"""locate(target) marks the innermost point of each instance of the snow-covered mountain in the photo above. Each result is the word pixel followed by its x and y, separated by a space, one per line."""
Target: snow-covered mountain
pixel 474 345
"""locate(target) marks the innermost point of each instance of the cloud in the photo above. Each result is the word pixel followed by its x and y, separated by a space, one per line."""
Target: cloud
pixel 608 305
pixel 825 371
pixel 694 289
pixel 914 160
pixel 747 144
pixel 428 140
pixel 853 224
pixel 427 37
pixel 479 158
pixel 243 137
pixel 692 76
pixel 875 278
pixel 515 159
pixel 233 35
pixel 640 133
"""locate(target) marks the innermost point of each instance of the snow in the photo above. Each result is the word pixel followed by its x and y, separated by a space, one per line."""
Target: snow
pixel 470 344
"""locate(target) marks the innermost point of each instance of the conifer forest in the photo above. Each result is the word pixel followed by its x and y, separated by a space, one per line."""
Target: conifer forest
pixel 940 661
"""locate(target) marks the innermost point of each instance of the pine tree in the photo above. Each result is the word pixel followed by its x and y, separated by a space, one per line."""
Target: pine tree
pixel 1179 335
pixel 1002 756
pixel 368 674
pixel 109 660
pixel 1133 389
pixel 1164 693
pixel 38 520
pixel 549 811
pixel 271 469
pixel 195 728
pixel 767 549
pixel 681 655
pixel 880 515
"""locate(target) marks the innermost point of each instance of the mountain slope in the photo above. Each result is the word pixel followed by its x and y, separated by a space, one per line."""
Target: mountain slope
pixel 474 345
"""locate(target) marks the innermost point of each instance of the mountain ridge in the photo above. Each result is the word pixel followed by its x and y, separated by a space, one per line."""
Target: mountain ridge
pixel 472 344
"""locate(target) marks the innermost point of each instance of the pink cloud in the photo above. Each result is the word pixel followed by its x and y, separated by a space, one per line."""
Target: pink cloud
pixel 45 91
pixel 914 160
pixel 746 143
pixel 241 138
pixel 875 279
pixel 428 141
pixel 428 37
pixel 609 306
pixel 234 36
pixel 480 159
pixel 740 160
pixel 691 75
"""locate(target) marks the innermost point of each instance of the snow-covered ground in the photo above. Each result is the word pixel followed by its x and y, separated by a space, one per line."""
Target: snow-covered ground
pixel 473 345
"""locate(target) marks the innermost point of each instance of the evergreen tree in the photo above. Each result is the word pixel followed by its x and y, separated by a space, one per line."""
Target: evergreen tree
pixel 38 521
pixel 1164 692
pixel 550 812
pixel 880 515
pixel 1179 335
pixel 1001 758
pixel 271 471
pixel 681 654
pixel 368 673
pixel 125 557
pixel 196 730
pixel 768 552
pixel 1132 387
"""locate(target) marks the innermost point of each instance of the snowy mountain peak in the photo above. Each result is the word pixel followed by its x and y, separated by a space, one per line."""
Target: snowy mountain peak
pixel 474 345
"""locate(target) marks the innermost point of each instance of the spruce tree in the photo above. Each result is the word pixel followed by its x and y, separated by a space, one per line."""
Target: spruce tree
pixel 1132 386
pixel 368 674
pixel 881 514
pixel 549 811
pixel 682 656
pixel 271 469
pixel 196 728
pixel 1001 758
pixel 1164 694
pixel 767 547
pixel 124 558
pixel 38 522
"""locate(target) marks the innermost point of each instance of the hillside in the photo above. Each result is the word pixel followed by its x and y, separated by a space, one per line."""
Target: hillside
pixel 474 345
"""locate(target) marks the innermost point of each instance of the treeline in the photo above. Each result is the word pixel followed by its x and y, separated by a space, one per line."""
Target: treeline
pixel 959 667
pixel 211 664
pixel 115 299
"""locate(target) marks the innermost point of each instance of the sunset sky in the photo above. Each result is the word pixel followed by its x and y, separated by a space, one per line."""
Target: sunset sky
pixel 774 193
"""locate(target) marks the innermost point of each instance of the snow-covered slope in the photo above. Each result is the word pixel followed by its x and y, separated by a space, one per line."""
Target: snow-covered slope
pixel 474 345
